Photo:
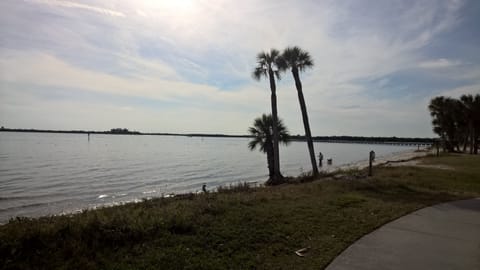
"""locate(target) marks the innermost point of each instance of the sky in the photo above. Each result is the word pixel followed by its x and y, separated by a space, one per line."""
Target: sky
pixel 184 66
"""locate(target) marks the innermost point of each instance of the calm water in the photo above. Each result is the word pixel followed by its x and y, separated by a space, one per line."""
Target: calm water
pixel 59 173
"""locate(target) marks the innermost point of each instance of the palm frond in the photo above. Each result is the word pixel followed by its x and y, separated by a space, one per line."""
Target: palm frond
pixel 266 62
pixel 253 131
pixel 305 61
pixel 262 132
pixel 262 57
pixel 298 58
pixel 274 53
pixel 278 74
pixel 258 73
pixel 253 144
pixel 281 64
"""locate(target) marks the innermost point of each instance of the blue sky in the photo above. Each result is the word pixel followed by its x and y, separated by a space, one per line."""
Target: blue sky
pixel 185 65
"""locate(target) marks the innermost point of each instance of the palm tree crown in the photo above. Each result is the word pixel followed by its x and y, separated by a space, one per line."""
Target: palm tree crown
pixel 268 61
pixel 295 57
pixel 262 133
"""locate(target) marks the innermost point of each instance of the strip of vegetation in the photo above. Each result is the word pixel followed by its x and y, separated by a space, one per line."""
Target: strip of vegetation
pixel 346 139
pixel 246 228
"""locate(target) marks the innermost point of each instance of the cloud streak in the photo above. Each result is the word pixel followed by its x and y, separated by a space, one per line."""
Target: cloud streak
pixel 439 63
pixel 69 4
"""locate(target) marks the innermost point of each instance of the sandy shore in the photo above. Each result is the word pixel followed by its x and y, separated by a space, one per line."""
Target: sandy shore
pixel 403 158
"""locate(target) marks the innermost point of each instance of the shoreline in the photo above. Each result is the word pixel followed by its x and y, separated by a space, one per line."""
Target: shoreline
pixel 330 170
pixel 399 156
pixel 241 227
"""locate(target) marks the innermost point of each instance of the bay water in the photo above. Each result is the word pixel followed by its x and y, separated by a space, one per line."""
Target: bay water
pixel 50 173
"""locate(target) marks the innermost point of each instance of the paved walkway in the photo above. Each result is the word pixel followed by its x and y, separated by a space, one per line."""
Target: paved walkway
pixel 444 236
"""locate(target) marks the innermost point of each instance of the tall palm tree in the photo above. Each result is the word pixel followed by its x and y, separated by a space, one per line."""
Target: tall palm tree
pixel 467 102
pixel 263 139
pixel 440 121
pixel 476 123
pixel 268 66
pixel 298 60
pixel 472 115
pixel 456 121
pixel 445 111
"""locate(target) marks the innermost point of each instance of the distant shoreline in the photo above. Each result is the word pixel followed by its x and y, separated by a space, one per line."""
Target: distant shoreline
pixel 328 139
pixel 119 133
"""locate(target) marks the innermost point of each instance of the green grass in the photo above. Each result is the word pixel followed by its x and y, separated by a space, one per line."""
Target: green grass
pixel 245 228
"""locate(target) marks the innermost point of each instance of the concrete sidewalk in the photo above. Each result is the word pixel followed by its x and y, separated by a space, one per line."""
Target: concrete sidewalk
pixel 444 236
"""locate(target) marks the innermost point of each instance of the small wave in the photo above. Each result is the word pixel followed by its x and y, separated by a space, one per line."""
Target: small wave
pixel 102 196
pixel 27 197
pixel 24 206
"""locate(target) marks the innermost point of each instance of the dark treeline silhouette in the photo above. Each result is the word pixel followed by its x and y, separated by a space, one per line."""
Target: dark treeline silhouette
pixel 219 135
pixel 457 122
pixel 262 134
pixel 362 139
pixel 112 131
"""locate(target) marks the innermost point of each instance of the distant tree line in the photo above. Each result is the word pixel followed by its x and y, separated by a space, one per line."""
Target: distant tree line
pixel 112 131
pixel 371 139
pixel 457 122
pixel 292 137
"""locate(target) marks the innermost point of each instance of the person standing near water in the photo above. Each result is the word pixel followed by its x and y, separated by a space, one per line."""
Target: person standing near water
pixel 320 159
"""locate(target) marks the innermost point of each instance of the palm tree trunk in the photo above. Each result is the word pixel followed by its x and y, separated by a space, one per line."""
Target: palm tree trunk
pixel 276 155
pixel 303 107
pixel 269 151
pixel 444 143
pixel 475 142
pixel 472 139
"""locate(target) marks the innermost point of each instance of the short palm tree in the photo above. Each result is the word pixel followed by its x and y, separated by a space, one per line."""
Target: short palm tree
pixel 263 139
pixel 268 67
pixel 298 60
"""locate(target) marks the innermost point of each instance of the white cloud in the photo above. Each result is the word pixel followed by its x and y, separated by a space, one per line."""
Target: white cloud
pixel 439 63
pixel 146 53
pixel 70 4
pixel 46 70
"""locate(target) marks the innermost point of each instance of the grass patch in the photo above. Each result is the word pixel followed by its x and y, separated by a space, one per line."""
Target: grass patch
pixel 237 228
